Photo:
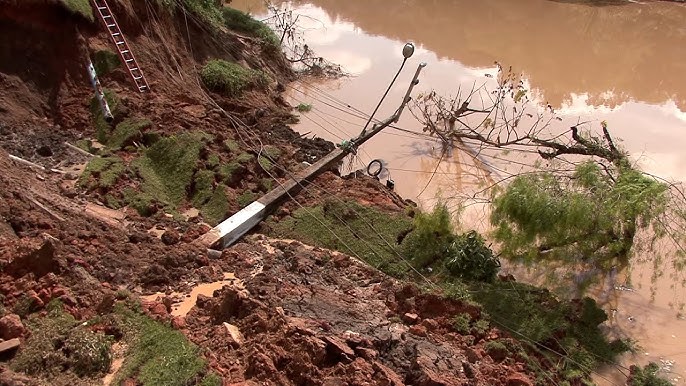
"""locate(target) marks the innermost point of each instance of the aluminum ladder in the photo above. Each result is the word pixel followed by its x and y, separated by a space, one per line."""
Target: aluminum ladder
pixel 123 48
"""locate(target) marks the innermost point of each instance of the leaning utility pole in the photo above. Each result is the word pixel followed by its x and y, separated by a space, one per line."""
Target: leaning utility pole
pixel 230 230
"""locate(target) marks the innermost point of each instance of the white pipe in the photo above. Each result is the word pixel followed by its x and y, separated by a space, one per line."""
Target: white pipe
pixel 107 114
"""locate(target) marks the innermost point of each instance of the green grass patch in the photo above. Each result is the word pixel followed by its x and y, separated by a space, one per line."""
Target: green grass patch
pixel 58 344
pixel 211 379
pixel 80 7
pixel 102 128
pixel 232 146
pixel 158 354
pixel 313 225
pixel 228 172
pixel 126 132
pixel 242 22
pixel 203 187
pixel 105 61
pixel 231 79
pixel 167 168
pixel 265 163
pixel 102 172
pixel 217 208
pixel 246 199
pixel 304 107
pixel 244 158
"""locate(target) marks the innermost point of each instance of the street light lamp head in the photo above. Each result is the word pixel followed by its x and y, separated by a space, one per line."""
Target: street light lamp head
pixel 408 50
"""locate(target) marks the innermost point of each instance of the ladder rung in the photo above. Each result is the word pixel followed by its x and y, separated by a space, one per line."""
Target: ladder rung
pixel 129 60
pixel 111 25
pixel 116 34
pixel 118 43
pixel 133 69
pixel 101 8
pixel 137 77
pixel 104 16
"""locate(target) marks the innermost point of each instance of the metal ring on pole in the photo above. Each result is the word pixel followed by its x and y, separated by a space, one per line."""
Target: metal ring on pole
pixel 371 171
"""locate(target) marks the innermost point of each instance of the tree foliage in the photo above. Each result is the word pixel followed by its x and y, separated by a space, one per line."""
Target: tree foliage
pixel 587 216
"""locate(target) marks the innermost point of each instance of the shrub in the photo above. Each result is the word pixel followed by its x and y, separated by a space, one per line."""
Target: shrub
pixel 242 22
pixel 432 237
pixel 646 376
pixel 229 78
pixel 57 343
pixel 471 259
pixel 496 350
pixel 461 323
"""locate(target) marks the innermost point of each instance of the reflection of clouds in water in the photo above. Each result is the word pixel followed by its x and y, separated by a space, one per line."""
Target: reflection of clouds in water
pixel 319 28
pixel 579 104
pixel 348 60
pixel 666 165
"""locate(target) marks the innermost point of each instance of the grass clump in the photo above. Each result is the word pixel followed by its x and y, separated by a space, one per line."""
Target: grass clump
pixel 102 172
pixel 203 183
pixel 242 22
pixel 126 132
pixel 80 7
pixel 232 146
pixel 167 168
pixel 462 323
pixel 211 379
pixel 304 107
pixel 246 199
pixel 105 61
pixel 312 225
pixel 217 208
pixel 158 354
pixel 230 79
pixel 58 343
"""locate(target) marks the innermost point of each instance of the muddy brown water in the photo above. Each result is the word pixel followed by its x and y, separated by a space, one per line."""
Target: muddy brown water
pixel 624 62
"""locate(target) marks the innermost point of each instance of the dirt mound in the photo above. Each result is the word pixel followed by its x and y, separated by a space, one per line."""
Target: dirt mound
pixel 311 316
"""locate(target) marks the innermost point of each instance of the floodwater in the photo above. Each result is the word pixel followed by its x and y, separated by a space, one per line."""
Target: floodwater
pixel 623 62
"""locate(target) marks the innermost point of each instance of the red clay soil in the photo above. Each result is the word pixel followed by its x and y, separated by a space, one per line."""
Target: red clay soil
pixel 315 317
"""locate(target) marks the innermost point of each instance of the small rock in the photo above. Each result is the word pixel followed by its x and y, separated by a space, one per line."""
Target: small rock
pixel 214 254
pixel 410 318
pixel 9 345
pixel 366 353
pixel 386 376
pixel 235 333
pixel 518 379
pixel 178 322
pixel 430 324
pixel 170 237
pixel 418 330
pixel 468 370
pixel 472 356
pixel 36 301
pixel 68 300
pixel 159 309
pixel 11 327
pixel 339 347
